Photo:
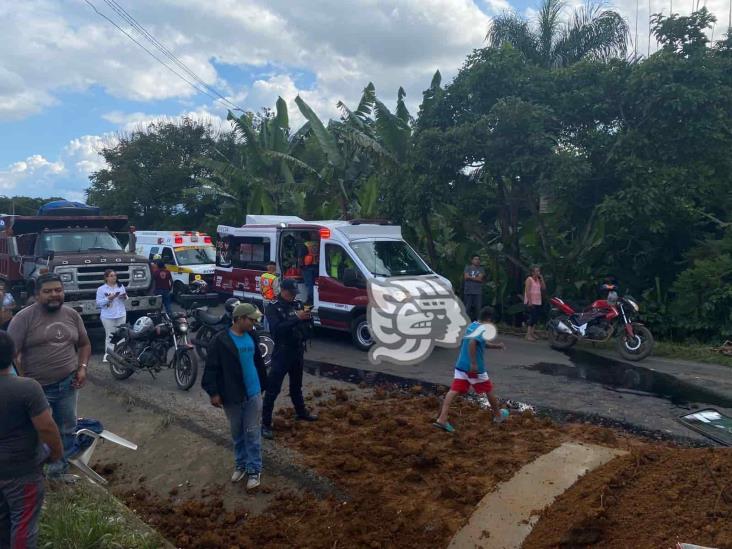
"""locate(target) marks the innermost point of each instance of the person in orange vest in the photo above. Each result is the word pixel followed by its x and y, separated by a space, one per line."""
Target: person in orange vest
pixel 269 285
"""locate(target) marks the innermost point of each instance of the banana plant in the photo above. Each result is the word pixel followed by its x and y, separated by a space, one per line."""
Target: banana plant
pixel 259 175
pixel 350 151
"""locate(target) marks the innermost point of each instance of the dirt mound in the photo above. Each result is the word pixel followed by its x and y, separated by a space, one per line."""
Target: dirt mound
pixel 651 498
pixel 408 483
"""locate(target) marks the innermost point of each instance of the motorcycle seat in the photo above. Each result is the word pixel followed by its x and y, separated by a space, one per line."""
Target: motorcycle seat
pixel 208 318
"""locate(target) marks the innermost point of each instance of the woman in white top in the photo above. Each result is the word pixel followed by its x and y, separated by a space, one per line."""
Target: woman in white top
pixel 110 300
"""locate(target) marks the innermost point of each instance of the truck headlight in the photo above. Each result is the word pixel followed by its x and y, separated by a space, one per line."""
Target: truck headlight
pixel 138 274
pixel 66 277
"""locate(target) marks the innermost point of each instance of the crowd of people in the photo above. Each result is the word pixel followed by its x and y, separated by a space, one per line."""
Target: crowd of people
pixel 44 358
pixel 43 363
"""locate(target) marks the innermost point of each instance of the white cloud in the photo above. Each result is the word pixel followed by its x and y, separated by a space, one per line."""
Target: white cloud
pixel 24 176
pixel 50 47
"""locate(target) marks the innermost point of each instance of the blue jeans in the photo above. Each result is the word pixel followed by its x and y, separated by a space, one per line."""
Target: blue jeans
pixel 167 301
pixel 20 508
pixel 62 398
pixel 309 274
pixel 245 422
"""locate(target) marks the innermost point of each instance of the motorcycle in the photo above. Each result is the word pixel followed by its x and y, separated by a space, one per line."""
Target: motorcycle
pixel 206 326
pixel 146 345
pixel 599 323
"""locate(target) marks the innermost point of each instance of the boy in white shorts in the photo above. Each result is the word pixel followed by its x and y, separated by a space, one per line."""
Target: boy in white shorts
pixel 470 368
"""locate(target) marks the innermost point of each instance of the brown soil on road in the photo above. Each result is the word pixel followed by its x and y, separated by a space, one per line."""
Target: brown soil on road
pixel 651 498
pixel 408 484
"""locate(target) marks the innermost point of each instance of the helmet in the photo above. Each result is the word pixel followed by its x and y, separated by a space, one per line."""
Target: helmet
pixel 198 286
pixel 143 325
pixel 230 304
pixel 157 257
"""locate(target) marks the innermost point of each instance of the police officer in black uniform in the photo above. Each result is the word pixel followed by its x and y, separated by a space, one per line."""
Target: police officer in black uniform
pixel 289 324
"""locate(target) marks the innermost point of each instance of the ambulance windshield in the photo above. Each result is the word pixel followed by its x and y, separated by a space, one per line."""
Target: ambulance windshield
pixel 77 242
pixel 196 256
pixel 389 258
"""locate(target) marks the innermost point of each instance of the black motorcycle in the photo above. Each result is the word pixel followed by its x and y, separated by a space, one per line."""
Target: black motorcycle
pixel 146 345
pixel 206 326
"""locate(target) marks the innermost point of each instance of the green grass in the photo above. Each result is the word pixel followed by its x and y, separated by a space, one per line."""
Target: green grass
pixel 691 351
pixel 85 517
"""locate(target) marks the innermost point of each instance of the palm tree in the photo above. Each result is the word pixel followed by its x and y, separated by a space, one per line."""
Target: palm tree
pixel 591 32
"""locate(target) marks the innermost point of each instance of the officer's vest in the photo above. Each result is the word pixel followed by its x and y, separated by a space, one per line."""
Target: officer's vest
pixel 311 258
pixel 335 264
pixel 266 285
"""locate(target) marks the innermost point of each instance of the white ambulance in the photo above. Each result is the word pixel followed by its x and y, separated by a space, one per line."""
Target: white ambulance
pixel 188 255
pixel 343 256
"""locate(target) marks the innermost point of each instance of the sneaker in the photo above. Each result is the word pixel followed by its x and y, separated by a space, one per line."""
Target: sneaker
pixel 267 433
pixel 254 481
pixel 238 475
pixel 307 417
pixel 105 359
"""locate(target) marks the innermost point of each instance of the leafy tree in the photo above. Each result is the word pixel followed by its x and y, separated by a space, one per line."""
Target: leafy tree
pixel 23 205
pixel 591 32
pixel 149 174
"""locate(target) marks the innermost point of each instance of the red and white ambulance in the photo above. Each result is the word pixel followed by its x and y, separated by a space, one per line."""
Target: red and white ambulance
pixel 342 254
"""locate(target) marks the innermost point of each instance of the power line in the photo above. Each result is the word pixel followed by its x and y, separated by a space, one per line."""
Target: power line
pixel 165 51
pixel 171 69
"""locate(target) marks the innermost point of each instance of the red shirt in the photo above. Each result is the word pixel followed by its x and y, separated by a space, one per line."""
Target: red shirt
pixel 163 280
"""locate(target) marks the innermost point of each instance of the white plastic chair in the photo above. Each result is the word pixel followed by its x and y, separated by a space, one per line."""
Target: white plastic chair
pixel 81 460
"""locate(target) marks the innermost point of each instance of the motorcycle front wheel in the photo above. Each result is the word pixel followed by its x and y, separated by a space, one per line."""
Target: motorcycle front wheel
pixel 186 369
pixel 123 350
pixel 639 346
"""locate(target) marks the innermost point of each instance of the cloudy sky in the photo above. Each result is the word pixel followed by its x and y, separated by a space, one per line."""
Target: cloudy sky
pixel 69 80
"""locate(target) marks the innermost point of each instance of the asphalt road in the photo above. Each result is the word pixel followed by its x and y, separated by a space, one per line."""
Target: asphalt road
pixel 649 395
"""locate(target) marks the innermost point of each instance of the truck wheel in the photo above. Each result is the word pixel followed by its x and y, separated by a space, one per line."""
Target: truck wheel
pixel 360 333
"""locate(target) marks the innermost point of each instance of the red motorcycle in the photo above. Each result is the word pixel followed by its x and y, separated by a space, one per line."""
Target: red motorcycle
pixel 600 322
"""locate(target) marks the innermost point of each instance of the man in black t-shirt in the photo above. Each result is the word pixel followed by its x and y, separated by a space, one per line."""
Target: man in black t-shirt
pixel 28 436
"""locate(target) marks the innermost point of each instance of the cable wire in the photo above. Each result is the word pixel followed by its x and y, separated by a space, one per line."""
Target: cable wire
pixel 124 14
pixel 171 69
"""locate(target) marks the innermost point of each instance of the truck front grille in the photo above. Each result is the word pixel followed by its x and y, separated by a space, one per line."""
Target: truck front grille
pixel 92 276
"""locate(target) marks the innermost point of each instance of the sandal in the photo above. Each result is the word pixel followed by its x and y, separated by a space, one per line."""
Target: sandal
pixel 444 426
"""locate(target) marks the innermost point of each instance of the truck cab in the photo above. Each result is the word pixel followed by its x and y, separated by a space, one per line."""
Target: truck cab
pixel 78 247
pixel 343 255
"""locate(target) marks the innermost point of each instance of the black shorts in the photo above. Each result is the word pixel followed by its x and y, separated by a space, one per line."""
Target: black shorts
pixel 534 313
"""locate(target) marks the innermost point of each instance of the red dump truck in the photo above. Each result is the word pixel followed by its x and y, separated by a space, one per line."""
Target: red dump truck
pixel 77 243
